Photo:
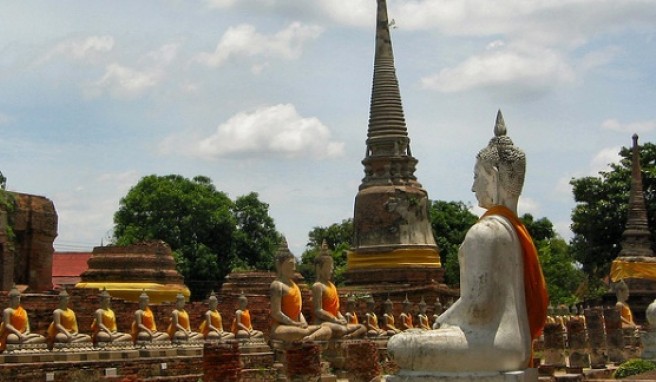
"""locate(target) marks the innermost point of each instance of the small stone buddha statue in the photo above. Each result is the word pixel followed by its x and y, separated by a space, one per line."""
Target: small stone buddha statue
pixel 63 328
pixel 325 300
pixel 437 311
pixel 144 328
pixel 179 328
pixel 212 326
pixel 103 326
pixel 388 319
pixel 551 318
pixel 622 295
pixel 405 318
pixel 241 325
pixel 289 324
pixel 350 314
pixel 503 298
pixel 373 329
pixel 424 324
pixel 15 326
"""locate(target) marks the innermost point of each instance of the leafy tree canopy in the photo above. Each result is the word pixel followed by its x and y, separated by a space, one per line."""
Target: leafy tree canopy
pixel 600 214
pixel 208 232
pixel 338 237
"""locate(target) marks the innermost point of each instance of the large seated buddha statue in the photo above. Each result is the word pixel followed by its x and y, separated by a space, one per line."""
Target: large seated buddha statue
pixel 104 327
pixel 503 299
pixel 63 328
pixel 289 324
pixel 212 326
pixel 242 327
pixel 144 328
pixel 15 326
pixel 179 328
pixel 325 300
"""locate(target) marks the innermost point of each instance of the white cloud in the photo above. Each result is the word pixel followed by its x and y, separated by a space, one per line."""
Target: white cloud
pixel 80 49
pixel 527 205
pixel 4 119
pixel 244 41
pixel 273 130
pixel 129 82
pixel 516 68
pixel 603 158
pixel 631 127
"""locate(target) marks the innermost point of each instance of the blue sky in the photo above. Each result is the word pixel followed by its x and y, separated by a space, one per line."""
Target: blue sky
pixel 272 96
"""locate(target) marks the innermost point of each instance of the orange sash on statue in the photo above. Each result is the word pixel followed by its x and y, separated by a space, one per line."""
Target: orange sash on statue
pixel 353 319
pixel 330 300
pixel 183 320
pixel 372 320
pixel 291 303
pixel 108 319
pixel 408 321
pixel 535 288
pixel 245 319
pixel 215 320
pixel 388 322
pixel 18 320
pixel 147 320
pixel 67 319
pixel 626 313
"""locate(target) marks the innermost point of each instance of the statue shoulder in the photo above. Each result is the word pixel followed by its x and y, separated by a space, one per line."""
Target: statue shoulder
pixel 492 229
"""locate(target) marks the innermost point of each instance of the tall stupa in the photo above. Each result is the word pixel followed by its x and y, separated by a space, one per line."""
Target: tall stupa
pixel 393 239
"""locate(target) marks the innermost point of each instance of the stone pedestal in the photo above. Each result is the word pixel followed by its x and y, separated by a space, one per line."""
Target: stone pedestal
pixel 554 345
pixel 648 338
pixel 528 375
pixel 578 343
pixel 614 335
pixel 594 319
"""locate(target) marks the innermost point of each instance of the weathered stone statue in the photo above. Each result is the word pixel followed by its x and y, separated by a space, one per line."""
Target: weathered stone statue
pixel 373 329
pixel 212 326
pixel 15 327
pixel 103 326
pixel 242 326
pixel 503 298
pixel 144 328
pixel 350 314
pixel 289 324
pixel 388 319
pixel 438 310
pixel 423 318
pixel 405 317
pixel 63 328
pixel 325 300
pixel 180 328
pixel 622 294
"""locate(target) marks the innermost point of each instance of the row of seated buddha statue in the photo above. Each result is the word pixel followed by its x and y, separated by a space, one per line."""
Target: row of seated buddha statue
pixel 15 327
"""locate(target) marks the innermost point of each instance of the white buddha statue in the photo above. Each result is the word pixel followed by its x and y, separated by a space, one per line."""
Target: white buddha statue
pixel 503 299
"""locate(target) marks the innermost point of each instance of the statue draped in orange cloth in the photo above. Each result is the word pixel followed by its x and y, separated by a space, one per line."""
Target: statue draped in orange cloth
pixel 388 319
pixel 406 316
pixel 15 326
pixel 622 294
pixel 242 327
pixel 63 328
pixel 424 323
pixel 180 328
pixel 373 329
pixel 144 328
pixel 212 326
pixel 289 324
pixel 325 300
pixel 103 326
pixel 350 314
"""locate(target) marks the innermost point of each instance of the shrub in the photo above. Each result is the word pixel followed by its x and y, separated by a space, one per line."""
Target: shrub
pixel 633 367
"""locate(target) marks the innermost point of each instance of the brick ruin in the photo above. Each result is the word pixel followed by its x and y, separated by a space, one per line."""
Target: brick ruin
pixel 27 233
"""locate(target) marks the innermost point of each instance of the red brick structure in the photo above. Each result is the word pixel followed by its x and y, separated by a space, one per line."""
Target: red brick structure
pixel 26 258
pixel 67 268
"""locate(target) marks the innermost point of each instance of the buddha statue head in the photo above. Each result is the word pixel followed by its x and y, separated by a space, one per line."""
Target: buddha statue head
pixel 371 304
pixel 389 305
pixel 621 291
pixel 180 301
pixel 422 306
pixel 285 261
pixel 500 170
pixel 144 300
pixel 14 297
pixel 324 263
pixel 63 299
pixel 243 301
pixel 213 302
pixel 407 305
pixel 350 303
pixel 105 299
pixel 438 306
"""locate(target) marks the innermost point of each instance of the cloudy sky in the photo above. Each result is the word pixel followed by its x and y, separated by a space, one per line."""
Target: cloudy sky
pixel 272 96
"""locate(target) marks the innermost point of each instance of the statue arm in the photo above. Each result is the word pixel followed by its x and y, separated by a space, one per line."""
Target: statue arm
pixel 240 325
pixel 176 322
pixel 138 319
pixel 208 322
pixel 56 318
pixel 100 323
pixel 317 303
pixel 6 318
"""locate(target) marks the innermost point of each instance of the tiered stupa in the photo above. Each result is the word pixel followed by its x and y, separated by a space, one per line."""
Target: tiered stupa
pixel 636 264
pixel 126 271
pixel 393 240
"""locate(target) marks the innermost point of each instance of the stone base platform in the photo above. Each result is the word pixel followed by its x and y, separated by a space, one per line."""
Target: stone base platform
pixel 528 375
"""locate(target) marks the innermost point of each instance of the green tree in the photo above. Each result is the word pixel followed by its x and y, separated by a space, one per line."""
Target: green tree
pixel 600 214
pixel 208 233
pixel 338 237
pixel 450 222
pixel 256 238
pixel 541 229
pixel 563 277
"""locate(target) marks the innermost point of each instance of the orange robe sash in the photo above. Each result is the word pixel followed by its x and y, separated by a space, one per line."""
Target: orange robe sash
pixel 67 319
pixel 215 320
pixel 18 320
pixel 183 320
pixel 108 319
pixel 330 299
pixel 244 319
pixel 353 319
pixel 291 303
pixel 147 320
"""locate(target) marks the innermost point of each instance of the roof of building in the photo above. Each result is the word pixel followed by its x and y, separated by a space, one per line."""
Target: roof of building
pixel 69 264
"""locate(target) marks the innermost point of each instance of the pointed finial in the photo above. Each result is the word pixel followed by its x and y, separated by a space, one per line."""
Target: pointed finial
pixel 143 295
pixel 14 291
pixel 406 301
pixel 63 293
pixel 500 125
pixel 104 293
pixel 422 302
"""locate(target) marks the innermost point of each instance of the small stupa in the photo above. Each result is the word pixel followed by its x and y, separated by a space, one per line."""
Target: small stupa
pixel 392 230
pixel 636 264
pixel 127 271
